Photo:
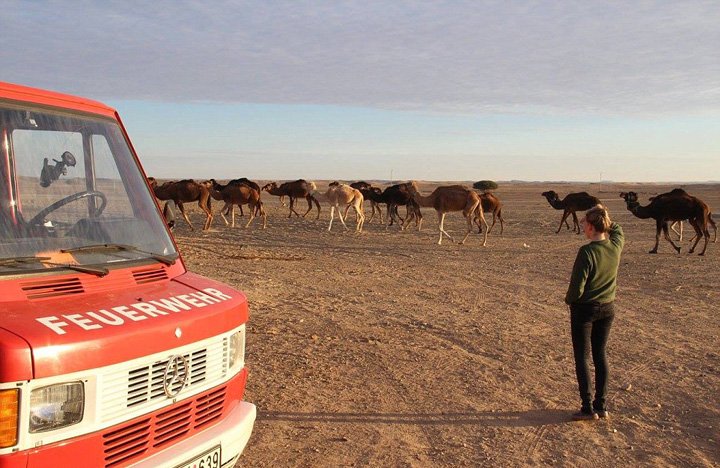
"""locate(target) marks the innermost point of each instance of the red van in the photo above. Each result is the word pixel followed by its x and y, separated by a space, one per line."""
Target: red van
pixel 111 352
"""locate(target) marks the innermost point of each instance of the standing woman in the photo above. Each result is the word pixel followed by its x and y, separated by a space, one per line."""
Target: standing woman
pixel 590 296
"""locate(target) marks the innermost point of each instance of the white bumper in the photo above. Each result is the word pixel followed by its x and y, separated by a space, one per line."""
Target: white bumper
pixel 231 434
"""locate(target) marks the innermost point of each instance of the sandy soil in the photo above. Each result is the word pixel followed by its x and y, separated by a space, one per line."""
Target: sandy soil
pixel 385 349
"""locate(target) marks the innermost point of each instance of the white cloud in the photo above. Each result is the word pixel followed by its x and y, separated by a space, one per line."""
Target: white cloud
pixel 549 57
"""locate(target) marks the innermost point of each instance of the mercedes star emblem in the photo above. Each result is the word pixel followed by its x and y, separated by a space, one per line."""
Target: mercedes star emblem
pixel 176 374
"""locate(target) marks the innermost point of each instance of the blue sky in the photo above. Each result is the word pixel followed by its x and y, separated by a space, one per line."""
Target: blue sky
pixel 625 91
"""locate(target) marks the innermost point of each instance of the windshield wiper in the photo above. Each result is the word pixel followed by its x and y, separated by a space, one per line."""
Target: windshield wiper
pixel 166 259
pixel 46 261
pixel 21 260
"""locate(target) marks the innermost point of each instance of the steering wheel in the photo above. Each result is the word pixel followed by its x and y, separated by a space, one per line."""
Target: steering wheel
pixel 40 217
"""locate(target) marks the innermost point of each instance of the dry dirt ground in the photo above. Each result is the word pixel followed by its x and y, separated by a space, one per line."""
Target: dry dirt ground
pixel 385 349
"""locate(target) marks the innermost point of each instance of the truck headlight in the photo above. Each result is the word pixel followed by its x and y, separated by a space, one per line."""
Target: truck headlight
pixel 56 406
pixel 237 349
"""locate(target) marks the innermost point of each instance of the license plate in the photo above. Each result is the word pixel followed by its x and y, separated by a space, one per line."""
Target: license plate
pixel 209 459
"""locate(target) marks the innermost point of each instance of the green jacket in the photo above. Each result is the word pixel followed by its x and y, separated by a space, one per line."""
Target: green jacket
pixel 594 275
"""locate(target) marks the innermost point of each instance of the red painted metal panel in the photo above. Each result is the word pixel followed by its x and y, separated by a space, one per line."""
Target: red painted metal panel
pixel 50 98
pixel 15 358
pixel 104 326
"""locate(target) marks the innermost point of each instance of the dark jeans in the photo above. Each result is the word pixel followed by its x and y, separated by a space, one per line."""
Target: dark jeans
pixel 590 327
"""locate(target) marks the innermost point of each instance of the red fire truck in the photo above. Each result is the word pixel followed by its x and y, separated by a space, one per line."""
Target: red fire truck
pixel 111 352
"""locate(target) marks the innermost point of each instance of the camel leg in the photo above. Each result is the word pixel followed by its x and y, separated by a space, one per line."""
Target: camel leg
pixel 563 220
pixel 674 228
pixel 390 217
pixel 292 208
pixel 317 204
pixel 204 204
pixel 700 231
pixel 502 223
pixel 341 218
pixel 232 213
pixel 408 218
pixel 441 224
pixel 307 197
pixel 347 208
pixel 208 220
pixel 360 220
pixel 252 216
pixel 487 230
pixel 332 215
pixel 469 219
pixel 493 224
pixel 182 211
pixel 223 212
pixel 666 234
pixel 576 223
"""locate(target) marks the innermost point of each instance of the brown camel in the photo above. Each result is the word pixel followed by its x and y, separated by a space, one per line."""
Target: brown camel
pixel 666 209
pixel 246 181
pixel 396 195
pixel 573 202
pixel 237 194
pixel 371 194
pixel 491 204
pixel 344 195
pixel 677 226
pixel 293 190
pixel 184 191
pixel 446 199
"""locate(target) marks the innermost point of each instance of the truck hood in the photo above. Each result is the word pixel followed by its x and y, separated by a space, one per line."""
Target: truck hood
pixel 76 332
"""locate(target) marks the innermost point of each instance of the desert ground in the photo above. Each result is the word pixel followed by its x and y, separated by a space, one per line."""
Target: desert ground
pixel 386 349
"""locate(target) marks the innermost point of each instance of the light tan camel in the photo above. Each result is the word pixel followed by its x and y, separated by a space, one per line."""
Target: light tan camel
pixel 342 195
pixel 184 191
pixel 237 194
pixel 446 199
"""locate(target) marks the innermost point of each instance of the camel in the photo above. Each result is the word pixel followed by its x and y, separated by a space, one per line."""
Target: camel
pixel 666 209
pixel 491 204
pixel 677 226
pixel 371 194
pixel 344 195
pixel 236 194
pixel 573 202
pixel 296 189
pixel 184 191
pixel 399 194
pixel 246 181
pixel 446 199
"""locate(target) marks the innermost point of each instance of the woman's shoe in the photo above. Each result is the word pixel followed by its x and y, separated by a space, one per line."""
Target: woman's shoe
pixel 584 416
pixel 603 414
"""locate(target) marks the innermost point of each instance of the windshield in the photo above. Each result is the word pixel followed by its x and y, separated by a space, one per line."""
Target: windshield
pixel 68 182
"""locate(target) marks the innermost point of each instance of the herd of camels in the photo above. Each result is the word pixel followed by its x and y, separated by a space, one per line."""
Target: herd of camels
pixel 666 209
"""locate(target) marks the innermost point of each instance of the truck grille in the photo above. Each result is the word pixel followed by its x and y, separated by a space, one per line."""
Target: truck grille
pixel 134 440
pixel 146 383
pixel 138 387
